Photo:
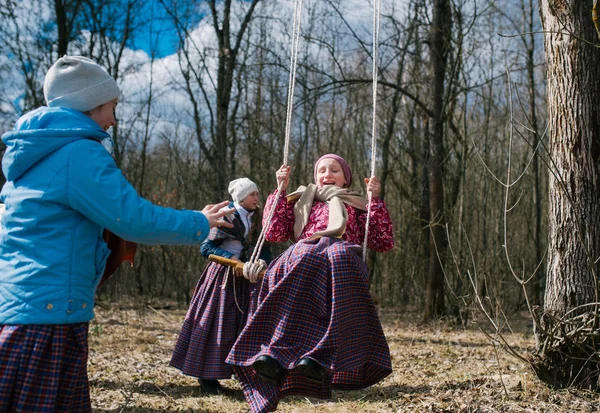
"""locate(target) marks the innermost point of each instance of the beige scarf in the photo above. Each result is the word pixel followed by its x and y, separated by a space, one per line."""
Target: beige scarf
pixel 335 197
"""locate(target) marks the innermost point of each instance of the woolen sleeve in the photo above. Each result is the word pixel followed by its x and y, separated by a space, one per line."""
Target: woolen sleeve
pixel 282 223
pixel 209 247
pixel 97 189
pixel 381 229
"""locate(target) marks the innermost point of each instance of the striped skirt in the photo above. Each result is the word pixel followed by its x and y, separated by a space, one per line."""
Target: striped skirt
pixel 314 302
pixel 217 314
pixel 43 368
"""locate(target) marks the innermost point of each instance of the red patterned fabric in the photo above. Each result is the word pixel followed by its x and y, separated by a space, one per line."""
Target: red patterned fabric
pixel 43 368
pixel 381 230
pixel 314 302
pixel 120 251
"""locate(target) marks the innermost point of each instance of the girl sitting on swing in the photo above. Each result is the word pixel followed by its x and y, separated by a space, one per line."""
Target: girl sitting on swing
pixel 316 328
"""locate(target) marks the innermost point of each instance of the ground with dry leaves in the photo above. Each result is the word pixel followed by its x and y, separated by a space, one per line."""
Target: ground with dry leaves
pixel 437 368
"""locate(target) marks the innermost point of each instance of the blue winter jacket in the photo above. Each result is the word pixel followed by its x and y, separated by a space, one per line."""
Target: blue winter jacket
pixel 63 188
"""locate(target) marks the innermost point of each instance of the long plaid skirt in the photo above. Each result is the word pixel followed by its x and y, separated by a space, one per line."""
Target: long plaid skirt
pixel 217 314
pixel 43 368
pixel 314 302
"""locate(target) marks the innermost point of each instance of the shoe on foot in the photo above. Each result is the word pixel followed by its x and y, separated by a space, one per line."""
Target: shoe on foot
pixel 312 370
pixel 268 369
pixel 211 387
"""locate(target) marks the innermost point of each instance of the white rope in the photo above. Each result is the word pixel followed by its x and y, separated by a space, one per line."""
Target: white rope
pixel 288 124
pixel 261 238
pixel 232 271
pixel 292 79
pixel 376 13
pixel 251 270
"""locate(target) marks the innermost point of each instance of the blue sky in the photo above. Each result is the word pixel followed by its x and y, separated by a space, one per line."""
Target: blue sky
pixel 162 32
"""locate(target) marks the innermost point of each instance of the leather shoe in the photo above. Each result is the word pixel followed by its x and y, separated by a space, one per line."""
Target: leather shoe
pixel 211 387
pixel 268 369
pixel 312 370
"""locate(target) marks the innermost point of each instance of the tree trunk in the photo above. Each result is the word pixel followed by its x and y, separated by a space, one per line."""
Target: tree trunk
pixel 440 42
pixel 538 281
pixel 226 66
pixel 61 24
pixel 567 355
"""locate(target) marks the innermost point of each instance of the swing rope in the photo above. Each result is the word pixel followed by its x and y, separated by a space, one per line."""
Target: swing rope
pixel 288 124
pixel 376 13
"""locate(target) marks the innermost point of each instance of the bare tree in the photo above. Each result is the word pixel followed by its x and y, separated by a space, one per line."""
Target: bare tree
pixel 230 32
pixel 439 48
pixel 66 14
pixel 567 353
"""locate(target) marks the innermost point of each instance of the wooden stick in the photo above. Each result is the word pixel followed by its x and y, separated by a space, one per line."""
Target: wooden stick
pixel 237 265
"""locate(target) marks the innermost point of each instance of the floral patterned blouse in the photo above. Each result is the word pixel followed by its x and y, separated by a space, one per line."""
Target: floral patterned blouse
pixel 381 229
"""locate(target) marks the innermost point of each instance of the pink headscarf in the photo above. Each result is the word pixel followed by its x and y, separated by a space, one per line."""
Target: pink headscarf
pixel 343 164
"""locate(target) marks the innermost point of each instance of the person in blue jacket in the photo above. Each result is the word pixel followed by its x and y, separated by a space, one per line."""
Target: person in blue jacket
pixel 63 189
pixel 222 302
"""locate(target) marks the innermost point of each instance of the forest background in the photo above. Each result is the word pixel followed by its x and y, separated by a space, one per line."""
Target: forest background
pixel 460 112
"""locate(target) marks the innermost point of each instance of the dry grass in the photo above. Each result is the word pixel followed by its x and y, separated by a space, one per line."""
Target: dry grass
pixel 437 368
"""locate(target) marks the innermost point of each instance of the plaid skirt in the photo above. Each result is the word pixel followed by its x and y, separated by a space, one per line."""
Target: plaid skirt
pixel 314 302
pixel 43 368
pixel 217 314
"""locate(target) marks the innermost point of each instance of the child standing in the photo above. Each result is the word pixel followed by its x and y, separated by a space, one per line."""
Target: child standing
pixel 62 190
pixel 221 301
pixel 316 328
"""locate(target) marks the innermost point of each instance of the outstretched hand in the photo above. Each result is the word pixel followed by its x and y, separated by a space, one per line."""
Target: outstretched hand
pixel 214 214
pixel 373 186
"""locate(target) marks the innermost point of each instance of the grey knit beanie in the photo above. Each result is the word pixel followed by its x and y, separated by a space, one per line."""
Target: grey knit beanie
pixel 240 188
pixel 79 83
